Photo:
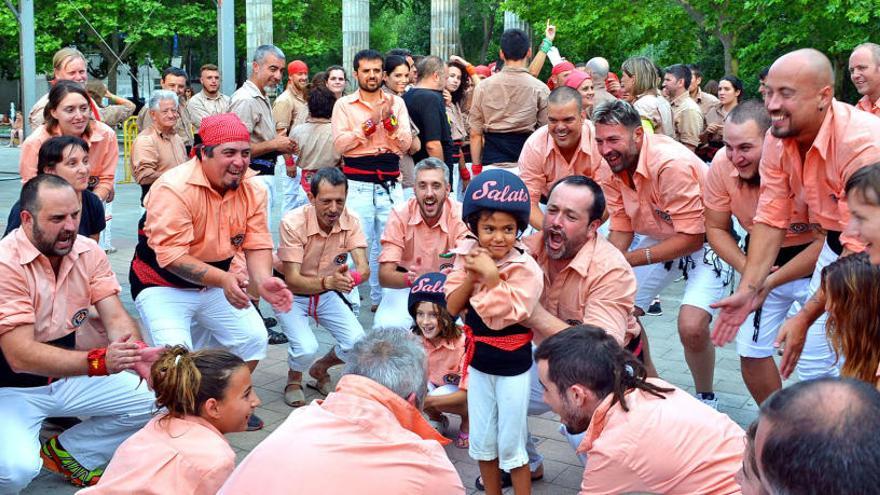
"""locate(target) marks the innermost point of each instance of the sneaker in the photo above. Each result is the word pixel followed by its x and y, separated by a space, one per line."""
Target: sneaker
pixel 276 337
pixel 269 322
pixel 654 309
pixel 58 460
pixel 711 402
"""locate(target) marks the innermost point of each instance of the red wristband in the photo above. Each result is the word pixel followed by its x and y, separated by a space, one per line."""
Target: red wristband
pixel 97 361
pixel 369 127
pixel 390 123
pixel 356 277
pixel 407 279
pixel 477 168
pixel 464 173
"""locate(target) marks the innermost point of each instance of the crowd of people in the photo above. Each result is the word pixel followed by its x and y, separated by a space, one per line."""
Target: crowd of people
pixel 509 235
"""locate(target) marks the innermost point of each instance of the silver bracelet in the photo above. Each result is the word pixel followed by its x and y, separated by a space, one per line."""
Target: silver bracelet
pixel 648 256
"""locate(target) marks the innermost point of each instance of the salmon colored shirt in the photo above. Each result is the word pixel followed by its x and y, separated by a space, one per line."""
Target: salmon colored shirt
pixel 513 299
pixel 154 152
pixel 410 243
pixel 183 128
pixel 847 141
pixel 865 104
pixel 57 305
pixel 181 456
pixel 319 253
pixel 349 115
pixel 667 198
pixel 362 439
pixel 511 101
pixel 597 287
pixel 541 163
pixel 724 192
pixel 673 446
pixel 445 361
pixel 103 156
pixel 185 215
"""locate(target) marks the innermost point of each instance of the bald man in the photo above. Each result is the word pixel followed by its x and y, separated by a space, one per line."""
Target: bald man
pixel 597 68
pixel 816 144
pixel 864 70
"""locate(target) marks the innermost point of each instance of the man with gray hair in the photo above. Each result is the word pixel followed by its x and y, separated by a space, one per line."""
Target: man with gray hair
pixel 597 68
pixel 417 236
pixel 174 79
pixel 157 148
pixel 864 70
pixel 367 437
pixel 427 110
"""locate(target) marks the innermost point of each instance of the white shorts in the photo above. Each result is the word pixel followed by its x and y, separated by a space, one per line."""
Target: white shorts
pixel 708 277
pixel 393 312
pixel 498 414
pixel 818 359
pixel 172 316
pixel 752 342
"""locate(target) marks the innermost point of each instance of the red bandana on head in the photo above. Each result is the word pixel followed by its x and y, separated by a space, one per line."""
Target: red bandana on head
pixel 223 128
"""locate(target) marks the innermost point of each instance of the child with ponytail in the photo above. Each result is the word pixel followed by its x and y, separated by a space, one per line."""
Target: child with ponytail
pixel 201 395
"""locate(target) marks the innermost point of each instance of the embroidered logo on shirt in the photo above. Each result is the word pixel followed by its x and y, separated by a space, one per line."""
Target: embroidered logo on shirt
pixel 799 228
pixel 237 240
pixel 445 267
pixel 663 215
pixel 451 379
pixel 340 259
pixel 79 318
pixel 93 181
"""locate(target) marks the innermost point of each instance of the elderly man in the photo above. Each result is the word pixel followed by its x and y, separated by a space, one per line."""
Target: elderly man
pixel 317 241
pixel 173 79
pixel 252 106
pixel 686 115
pixel 731 190
pixel 199 215
pixel 417 236
pixel 563 147
pixel 371 130
pixel 864 70
pixel 367 437
pixel 815 144
pixel 157 148
pixel 209 101
pixel 819 437
pixel 655 190
pixel 642 434
pixel 291 110
pixel 49 278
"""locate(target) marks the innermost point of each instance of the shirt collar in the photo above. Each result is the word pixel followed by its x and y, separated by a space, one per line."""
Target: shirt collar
pixel 583 144
pixel 415 216
pixel 514 69
pixel 314 228
pixel 826 132
pixel 679 99
pixel 253 90
pixel 597 423
pixel 28 252
pixel 444 343
pixel 198 178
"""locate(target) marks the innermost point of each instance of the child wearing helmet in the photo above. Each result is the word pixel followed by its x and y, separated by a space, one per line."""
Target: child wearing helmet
pixel 495 285
pixel 444 345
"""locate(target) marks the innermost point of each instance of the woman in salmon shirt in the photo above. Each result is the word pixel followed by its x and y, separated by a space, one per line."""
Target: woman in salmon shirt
pixel 182 450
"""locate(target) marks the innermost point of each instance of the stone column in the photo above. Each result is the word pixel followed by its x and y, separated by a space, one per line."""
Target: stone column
pixel 226 45
pixel 513 21
pixel 355 32
pixel 444 28
pixel 258 15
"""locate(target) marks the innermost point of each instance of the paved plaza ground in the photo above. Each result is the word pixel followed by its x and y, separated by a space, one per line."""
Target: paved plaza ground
pixel 562 469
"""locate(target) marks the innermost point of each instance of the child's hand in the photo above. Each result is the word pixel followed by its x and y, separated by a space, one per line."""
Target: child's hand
pixel 479 263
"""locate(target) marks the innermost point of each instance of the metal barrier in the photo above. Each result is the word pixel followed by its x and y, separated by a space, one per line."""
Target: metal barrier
pixel 129 132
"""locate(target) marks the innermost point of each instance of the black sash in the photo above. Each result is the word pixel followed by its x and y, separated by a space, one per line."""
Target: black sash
pixel 503 147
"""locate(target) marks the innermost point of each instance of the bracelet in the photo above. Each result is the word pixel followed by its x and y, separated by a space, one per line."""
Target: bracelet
pixel 476 168
pixel 356 277
pixel 546 45
pixel 464 173
pixel 97 362
pixel 407 280
pixel 648 256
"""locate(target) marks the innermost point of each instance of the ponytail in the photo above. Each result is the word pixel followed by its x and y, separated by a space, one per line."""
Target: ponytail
pixel 183 380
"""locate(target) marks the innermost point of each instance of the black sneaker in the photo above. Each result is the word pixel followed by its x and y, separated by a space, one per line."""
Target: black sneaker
pixel 276 337
pixel 269 322
pixel 654 309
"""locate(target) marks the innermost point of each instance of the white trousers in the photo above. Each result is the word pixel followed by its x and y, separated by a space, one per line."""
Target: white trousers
pixel 203 317
pixel 498 416
pixel 268 182
pixel 294 195
pixel 393 312
pixel 818 359
pixel 330 312
pixel 116 406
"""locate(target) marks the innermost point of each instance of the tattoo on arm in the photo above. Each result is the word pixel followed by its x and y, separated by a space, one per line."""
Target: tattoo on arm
pixel 191 272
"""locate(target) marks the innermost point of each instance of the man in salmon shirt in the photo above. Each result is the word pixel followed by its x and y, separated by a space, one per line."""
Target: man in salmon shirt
pixel 417 235
pixel 815 144
pixel 864 71
pixel 642 435
pixel 654 189
pixel 731 190
pixel 200 214
pixel 368 437
pixel 49 277
pixel 563 147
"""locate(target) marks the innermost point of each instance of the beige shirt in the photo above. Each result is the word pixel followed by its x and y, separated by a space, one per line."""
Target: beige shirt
pixel 687 119
pixel 201 105
pixel 656 110
pixel 511 101
pixel 715 115
pixel 113 115
pixel 153 152
pixel 705 101
pixel 315 140
pixel 183 128
pixel 253 108
pixel 290 110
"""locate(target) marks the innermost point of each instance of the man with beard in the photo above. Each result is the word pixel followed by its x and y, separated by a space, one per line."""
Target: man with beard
pixel 641 434
pixel 199 215
pixel 173 79
pixel 655 190
pixel 371 129
pixel 417 236
pixel 289 111
pixel 864 70
pixel 816 144
pixel 731 190
pixel 316 243
pixel 49 278
pixel 208 101
pixel 563 147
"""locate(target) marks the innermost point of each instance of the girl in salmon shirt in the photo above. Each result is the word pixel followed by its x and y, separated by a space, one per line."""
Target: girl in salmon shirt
pixel 444 345
pixel 202 395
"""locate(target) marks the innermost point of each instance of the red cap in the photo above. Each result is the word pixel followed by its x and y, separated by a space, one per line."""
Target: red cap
pixel 223 128
pixel 297 67
pixel 576 78
pixel 483 70
pixel 561 67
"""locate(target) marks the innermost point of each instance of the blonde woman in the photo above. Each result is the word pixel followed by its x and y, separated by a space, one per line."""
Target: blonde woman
pixel 640 81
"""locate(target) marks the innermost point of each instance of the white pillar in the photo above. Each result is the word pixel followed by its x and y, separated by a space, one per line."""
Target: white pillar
pixel 355 32
pixel 444 28
pixel 226 45
pixel 513 21
pixel 259 27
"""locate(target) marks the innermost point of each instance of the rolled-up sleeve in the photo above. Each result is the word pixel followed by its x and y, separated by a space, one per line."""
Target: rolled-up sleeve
pixel 531 169
pixel 257 235
pixel 775 202
pixel 16 304
pixel 475 119
pixel 513 299
pixel 168 226
pixel 293 239
pixel 102 280
pixel 620 221
pixel 393 239
pixel 682 200
pixel 610 302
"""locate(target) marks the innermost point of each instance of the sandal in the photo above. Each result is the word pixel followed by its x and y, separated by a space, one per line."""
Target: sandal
pixel 294 397
pixel 323 386
pixel 463 440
